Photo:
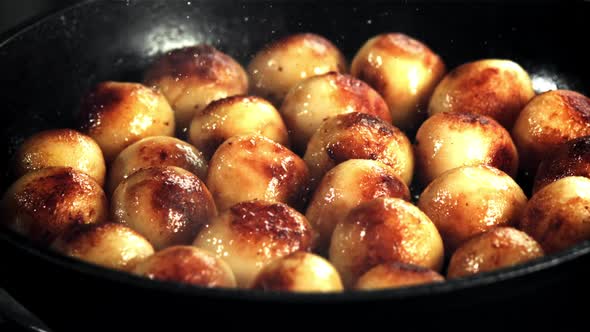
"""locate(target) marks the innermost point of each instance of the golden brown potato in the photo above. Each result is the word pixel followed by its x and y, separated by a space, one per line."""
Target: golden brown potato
pixel 188 265
pixel 280 65
pixel 547 121
pixel 346 186
pixel 233 116
pixel 117 115
pixel 168 205
pixel 251 234
pixel 192 77
pixel 317 98
pixel 110 245
pixel 404 71
pixel 254 167
pixel 492 87
pixel 156 151
pixel 558 215
pixel 299 272
pixel 61 147
pixel 471 200
pixel 394 275
pixel 450 140
pixel 570 159
pixel 43 204
pixel 384 230
pixel 500 247
pixel 358 136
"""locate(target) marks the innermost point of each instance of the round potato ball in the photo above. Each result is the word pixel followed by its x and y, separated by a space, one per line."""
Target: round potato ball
pixel 395 275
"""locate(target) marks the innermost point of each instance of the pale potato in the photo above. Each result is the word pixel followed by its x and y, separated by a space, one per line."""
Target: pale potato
pixel 168 205
pixel 395 275
pixel 496 88
pixel 450 140
pixel 254 167
pixel 250 235
pixel 317 98
pixel 404 71
pixel 558 216
pixel 471 200
pixel 233 116
pixel 299 272
pixel 110 245
pixel 280 65
pixel 192 77
pixel 44 204
pixel 384 230
pixel 547 121
pixel 117 114
pixel 187 265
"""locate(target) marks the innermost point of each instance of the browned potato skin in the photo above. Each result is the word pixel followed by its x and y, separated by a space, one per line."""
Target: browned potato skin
pixel 280 65
pixel 43 204
pixel 317 98
pixel 346 186
pixel 404 71
pixel 471 200
pixel 251 234
pixel 61 147
pixel 253 167
pixel 233 116
pixel 492 87
pixel 156 151
pixel 450 140
pixel 547 121
pixel 395 275
pixel 168 205
pixel 380 231
pixel 192 77
pixel 558 215
pixel 358 136
pixel 117 114
pixel 570 159
pixel 499 248
pixel 110 245
pixel 188 265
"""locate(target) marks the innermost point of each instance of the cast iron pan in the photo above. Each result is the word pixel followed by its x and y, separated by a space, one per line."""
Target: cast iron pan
pixel 48 66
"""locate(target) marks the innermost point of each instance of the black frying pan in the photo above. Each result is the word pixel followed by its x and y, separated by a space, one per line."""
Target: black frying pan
pixel 49 65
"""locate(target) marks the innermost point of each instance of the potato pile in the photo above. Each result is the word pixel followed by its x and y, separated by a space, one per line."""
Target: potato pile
pixel 299 174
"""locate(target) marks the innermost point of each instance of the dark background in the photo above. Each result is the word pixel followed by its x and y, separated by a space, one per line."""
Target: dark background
pixel 14 13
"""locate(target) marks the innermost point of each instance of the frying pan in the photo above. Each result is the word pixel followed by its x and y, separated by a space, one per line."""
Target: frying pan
pixel 48 66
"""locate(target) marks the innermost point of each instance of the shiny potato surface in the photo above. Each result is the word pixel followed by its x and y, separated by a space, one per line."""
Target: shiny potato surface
pixel 280 65
pixel 110 245
pixel 43 204
pixel 347 185
pixel 395 275
pixel 471 200
pixel 499 248
pixel 192 77
pixel 358 136
pixel 450 140
pixel 547 121
pixel 117 114
pixel 384 230
pixel 496 88
pixel 188 265
pixel 168 205
pixel 233 116
pixel 251 234
pixel 317 98
pixel 404 71
pixel 61 147
pixel 254 167
pixel 558 216
pixel 570 159
pixel 156 151
pixel 299 272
